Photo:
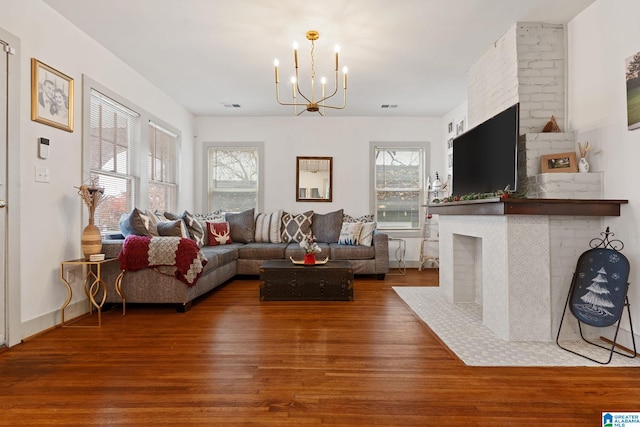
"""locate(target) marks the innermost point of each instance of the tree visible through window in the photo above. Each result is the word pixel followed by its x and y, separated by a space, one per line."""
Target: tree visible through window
pixel 399 177
pixel 233 178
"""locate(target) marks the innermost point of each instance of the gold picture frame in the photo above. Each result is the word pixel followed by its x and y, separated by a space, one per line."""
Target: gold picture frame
pixel 561 162
pixel 51 96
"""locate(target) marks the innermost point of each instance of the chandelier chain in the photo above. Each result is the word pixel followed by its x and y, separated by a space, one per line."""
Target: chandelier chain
pixel 313 63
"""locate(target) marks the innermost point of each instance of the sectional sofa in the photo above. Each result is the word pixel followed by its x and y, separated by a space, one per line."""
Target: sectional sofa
pixel 240 249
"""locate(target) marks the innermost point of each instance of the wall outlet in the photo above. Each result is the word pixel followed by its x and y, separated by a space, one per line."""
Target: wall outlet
pixel 70 275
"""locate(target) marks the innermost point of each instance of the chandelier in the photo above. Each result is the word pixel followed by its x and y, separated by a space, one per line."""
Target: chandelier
pixel 312 103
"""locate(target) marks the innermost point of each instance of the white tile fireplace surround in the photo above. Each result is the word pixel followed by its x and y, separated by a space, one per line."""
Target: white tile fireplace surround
pixel 516 259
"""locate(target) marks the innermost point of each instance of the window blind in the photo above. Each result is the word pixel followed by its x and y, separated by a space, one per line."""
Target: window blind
pixel 163 168
pixel 115 136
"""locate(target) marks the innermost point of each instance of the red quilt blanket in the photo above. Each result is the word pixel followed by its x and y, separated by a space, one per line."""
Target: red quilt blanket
pixel 175 256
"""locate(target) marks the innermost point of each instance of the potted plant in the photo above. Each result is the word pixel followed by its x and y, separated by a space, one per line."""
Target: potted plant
pixel 311 248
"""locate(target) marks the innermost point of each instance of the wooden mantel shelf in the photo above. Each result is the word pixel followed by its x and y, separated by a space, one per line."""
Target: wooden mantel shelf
pixel 497 206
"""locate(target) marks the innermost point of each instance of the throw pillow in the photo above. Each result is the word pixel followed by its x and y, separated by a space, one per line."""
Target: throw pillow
pixel 326 227
pixel 196 232
pixel 211 216
pixel 153 222
pixel 134 223
pixel 349 233
pixel 219 233
pixel 268 227
pixel 366 233
pixel 171 216
pixel 295 227
pixel 363 218
pixel 242 226
pixel 174 228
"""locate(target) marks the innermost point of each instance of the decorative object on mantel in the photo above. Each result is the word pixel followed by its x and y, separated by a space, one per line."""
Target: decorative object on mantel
pixel 311 248
pixel 551 126
pixel 92 195
pixel 583 164
pixel 559 162
pixel 503 194
pixel 312 104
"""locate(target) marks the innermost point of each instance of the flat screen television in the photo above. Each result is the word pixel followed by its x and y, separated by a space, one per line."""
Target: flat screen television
pixel 485 158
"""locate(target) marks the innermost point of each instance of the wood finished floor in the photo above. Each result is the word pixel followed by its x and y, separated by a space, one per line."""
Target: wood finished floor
pixel 232 360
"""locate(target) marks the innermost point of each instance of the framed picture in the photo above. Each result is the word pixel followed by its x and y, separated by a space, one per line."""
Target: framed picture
pixel 460 127
pixel 450 127
pixel 562 162
pixel 633 91
pixel 51 96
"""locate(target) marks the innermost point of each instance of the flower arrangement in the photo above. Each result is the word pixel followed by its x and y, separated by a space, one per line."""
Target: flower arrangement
pixel 308 243
pixel 92 195
pixel 584 150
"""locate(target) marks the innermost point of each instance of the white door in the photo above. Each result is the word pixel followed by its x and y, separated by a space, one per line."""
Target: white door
pixel 4 83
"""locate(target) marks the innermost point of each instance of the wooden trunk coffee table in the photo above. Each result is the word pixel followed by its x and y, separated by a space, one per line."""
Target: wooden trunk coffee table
pixel 281 280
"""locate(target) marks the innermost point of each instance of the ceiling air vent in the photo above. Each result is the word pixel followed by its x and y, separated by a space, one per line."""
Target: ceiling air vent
pixel 231 105
pixel 389 106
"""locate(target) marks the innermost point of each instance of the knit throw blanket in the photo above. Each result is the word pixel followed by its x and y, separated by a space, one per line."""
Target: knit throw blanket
pixel 174 256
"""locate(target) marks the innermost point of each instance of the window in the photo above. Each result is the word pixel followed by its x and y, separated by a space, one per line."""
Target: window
pixel 114 142
pixel 130 153
pixel 163 169
pixel 398 176
pixel 233 178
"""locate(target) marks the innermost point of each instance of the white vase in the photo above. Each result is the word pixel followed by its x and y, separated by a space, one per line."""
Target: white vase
pixel 583 165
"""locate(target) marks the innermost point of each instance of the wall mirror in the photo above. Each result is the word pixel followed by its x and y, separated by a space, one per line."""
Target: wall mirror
pixel 314 179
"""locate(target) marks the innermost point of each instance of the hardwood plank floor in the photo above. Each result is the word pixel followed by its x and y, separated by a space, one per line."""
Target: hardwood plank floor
pixel 232 360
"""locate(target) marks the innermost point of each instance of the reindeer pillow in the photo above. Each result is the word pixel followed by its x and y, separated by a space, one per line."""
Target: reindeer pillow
pixel 218 233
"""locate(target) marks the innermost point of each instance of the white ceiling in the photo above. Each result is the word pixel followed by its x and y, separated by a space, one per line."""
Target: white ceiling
pixel 208 53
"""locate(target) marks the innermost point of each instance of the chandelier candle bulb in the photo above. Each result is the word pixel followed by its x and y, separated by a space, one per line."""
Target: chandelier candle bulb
pixel 344 77
pixel 337 49
pixel 275 64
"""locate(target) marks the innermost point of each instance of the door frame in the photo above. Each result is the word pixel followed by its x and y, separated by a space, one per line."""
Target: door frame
pixel 12 254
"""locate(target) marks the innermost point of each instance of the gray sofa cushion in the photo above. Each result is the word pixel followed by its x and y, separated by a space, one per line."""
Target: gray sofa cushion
pixel 242 225
pixel 347 252
pixel 223 253
pixel 262 251
pixel 326 227
pixel 294 250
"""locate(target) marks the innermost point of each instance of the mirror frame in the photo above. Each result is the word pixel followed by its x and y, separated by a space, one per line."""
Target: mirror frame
pixel 309 199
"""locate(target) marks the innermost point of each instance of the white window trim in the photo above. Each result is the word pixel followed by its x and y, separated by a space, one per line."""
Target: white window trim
pixel 205 168
pixel 426 152
pixel 141 169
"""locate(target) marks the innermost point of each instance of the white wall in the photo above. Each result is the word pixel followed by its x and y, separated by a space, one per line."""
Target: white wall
pixel 346 139
pixel 52 213
pixel 599 41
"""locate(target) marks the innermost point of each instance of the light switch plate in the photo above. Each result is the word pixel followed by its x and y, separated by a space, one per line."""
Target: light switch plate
pixel 42 174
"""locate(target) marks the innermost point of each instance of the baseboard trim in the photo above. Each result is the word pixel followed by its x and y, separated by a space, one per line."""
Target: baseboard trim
pixel 52 319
